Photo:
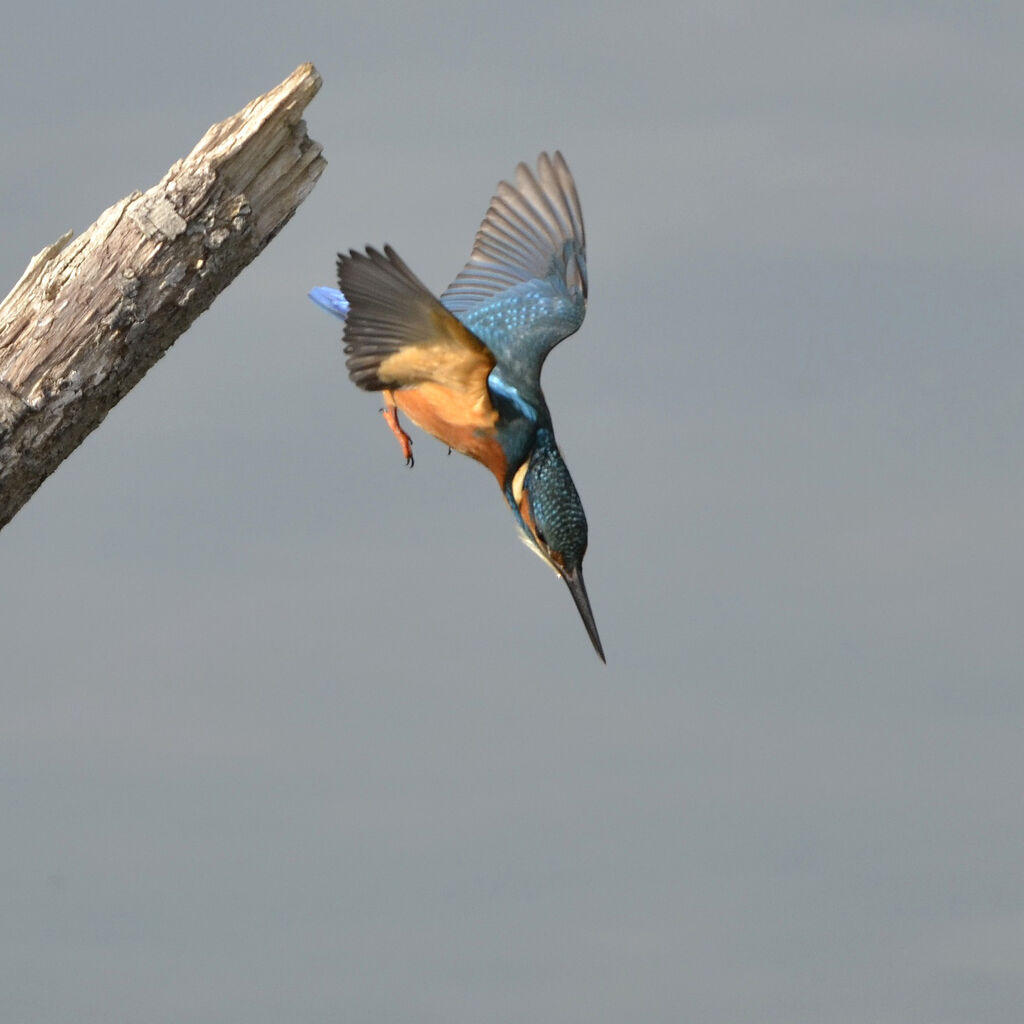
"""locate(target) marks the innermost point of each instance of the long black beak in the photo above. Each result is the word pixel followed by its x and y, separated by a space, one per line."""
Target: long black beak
pixel 574 580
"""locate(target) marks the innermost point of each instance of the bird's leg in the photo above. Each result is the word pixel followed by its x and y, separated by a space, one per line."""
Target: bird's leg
pixel 390 412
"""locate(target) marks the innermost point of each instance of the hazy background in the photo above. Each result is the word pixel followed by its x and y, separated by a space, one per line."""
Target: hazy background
pixel 290 733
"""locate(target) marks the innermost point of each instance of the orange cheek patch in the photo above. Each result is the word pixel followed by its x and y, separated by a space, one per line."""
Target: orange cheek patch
pixel 524 511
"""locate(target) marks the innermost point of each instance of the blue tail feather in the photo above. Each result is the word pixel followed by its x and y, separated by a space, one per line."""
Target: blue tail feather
pixel 332 300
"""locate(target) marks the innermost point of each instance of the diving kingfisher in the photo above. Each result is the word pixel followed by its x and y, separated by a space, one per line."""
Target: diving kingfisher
pixel 466 368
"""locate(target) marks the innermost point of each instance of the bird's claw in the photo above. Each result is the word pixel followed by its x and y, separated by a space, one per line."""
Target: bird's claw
pixel 390 414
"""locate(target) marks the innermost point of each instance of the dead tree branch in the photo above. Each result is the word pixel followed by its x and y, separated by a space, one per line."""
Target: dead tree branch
pixel 91 315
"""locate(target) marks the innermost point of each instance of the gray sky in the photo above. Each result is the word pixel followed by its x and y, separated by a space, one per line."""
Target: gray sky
pixel 291 733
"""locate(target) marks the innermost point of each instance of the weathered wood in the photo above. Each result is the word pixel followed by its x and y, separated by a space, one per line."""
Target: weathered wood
pixel 91 315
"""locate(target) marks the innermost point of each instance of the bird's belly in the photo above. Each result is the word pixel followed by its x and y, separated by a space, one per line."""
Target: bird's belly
pixel 456 421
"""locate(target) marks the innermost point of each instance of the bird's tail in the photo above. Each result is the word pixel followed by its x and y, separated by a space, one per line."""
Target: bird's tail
pixel 332 300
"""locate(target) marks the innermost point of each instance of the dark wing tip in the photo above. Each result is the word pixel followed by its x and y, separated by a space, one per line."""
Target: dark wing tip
pixel 391 310
pixel 532 225
pixel 383 294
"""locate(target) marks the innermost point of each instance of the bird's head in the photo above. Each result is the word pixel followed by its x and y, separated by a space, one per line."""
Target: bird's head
pixel 551 519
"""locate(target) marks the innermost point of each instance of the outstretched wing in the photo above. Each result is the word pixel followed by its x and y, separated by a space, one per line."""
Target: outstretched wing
pixel 399 338
pixel 398 335
pixel 524 288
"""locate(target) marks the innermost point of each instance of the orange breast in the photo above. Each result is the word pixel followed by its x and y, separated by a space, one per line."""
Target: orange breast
pixel 456 420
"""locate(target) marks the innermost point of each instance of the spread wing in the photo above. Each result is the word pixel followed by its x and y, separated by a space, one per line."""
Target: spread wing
pixel 398 335
pixel 524 288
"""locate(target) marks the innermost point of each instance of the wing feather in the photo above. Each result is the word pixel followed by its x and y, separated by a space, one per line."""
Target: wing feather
pixel 398 335
pixel 532 234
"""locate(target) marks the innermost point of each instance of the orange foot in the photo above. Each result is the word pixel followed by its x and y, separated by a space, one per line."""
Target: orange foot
pixel 391 418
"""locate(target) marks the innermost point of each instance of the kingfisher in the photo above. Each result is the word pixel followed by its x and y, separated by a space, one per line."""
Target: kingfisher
pixel 465 367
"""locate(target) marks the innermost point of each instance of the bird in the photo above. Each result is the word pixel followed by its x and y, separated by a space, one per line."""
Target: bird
pixel 465 367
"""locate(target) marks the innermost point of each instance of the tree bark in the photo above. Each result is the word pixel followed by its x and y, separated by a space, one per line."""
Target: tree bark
pixel 91 315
